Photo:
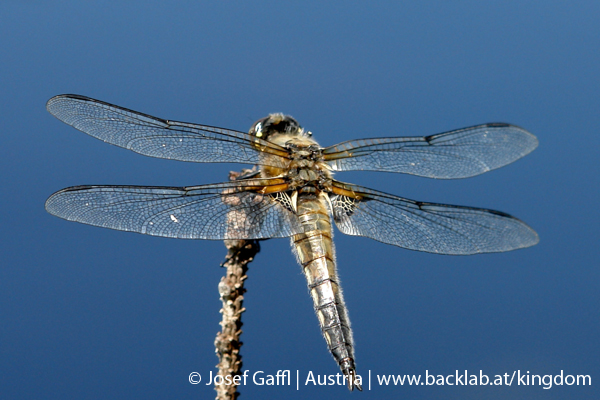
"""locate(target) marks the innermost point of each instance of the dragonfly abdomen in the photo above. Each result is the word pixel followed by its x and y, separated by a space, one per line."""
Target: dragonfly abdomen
pixel 316 254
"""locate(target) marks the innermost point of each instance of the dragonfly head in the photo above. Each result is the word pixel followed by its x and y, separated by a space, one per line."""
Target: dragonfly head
pixel 278 123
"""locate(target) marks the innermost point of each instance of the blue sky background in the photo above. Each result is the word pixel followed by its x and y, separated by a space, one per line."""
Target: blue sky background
pixel 93 313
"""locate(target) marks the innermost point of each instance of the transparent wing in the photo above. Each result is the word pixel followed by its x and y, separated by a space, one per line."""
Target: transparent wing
pixel 434 228
pixel 457 154
pixel 161 138
pixel 232 210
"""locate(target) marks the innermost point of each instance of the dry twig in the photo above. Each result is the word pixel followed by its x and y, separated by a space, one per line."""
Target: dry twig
pixel 231 290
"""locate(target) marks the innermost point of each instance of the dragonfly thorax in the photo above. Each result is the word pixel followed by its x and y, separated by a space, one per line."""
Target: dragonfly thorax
pixel 306 164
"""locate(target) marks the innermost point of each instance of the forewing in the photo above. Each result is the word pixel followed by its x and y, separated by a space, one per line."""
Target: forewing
pixel 430 227
pixel 457 154
pixel 232 210
pixel 162 138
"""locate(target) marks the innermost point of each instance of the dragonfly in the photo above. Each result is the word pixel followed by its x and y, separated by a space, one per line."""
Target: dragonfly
pixel 293 194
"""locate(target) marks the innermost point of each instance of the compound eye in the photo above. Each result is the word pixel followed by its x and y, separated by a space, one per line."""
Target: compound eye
pixel 258 129
pixel 291 125
pixel 275 124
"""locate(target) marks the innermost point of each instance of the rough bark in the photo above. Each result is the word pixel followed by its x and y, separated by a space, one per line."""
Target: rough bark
pixel 231 291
